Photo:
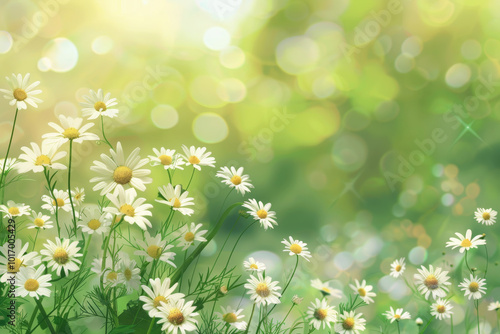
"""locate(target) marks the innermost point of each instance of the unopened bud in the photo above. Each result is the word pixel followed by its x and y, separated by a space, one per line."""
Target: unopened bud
pixel 297 300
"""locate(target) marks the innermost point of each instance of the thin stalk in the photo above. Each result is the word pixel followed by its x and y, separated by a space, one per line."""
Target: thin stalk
pixel 191 179
pixel 103 134
pixel 250 319
pixel 286 316
pixel 451 320
pixel 169 176
pixel 477 313
pixel 36 236
pixel 69 184
pixel 46 317
pixel 427 325
pixel 85 251
pixel 151 325
pixel 487 260
pixel 8 150
pixel 467 262
pixel 56 209
pixel 399 330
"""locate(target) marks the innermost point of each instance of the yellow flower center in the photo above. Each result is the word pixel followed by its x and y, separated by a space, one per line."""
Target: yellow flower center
pixel 348 323
pixel 31 284
pixel 325 289
pixel 14 267
pixel 175 316
pixel 112 276
pixel 154 251
pixel 262 214
pixel 431 282
pixel 122 175
pixel 262 290
pixel 230 318
pixel 71 133
pixel 20 94
pixel 94 224
pixel 473 287
pixel 466 243
pixel 128 274
pixel 60 202
pixel 254 266
pixel 14 211
pixel 193 160
pixel 100 106
pixel 486 215
pixel 61 256
pixel 362 292
pixel 78 196
pixel 165 159
pixel 441 309
pixel 189 237
pixel 128 210
pixel 157 301
pixel 397 316
pixel 236 179
pixel 320 314
pixel 39 222
pixel 398 268
pixel 295 248
pixel 177 203
pixel 42 160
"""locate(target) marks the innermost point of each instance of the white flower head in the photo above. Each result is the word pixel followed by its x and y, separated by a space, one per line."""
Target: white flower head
pixel 364 291
pixel 98 104
pixel 61 202
pixel 197 157
pixel 177 316
pixel 465 242
pixel 398 267
pixel 261 212
pixel 350 323
pixel 296 247
pixel 485 216
pixel 158 293
pixel 62 255
pixel 188 234
pixel 441 309
pixel 321 314
pixel 133 209
pixel 93 221
pixel 20 92
pixel 35 159
pixel 176 198
pixel 155 249
pixel 13 209
pixel 110 275
pixel 12 260
pixel 252 265
pixel 78 195
pixel 167 158
pixel 494 306
pixel 432 282
pixel 235 179
pixel 70 129
pixel 128 273
pixel 397 315
pixel 325 289
pixel 10 164
pixel 33 283
pixel 263 290
pixel 474 287
pixel 39 220
pixel 232 318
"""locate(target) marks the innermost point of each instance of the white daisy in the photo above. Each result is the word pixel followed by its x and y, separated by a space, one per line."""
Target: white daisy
pixel 197 157
pixel 62 255
pixel 398 267
pixel 35 159
pixel 62 199
pixel 441 309
pixel 364 291
pixel 39 220
pixel 432 281
pixel 485 216
pixel 16 258
pixel 167 158
pixel 131 208
pixel 20 92
pixel 177 316
pixel 93 221
pixel 297 300
pixel 494 306
pixel 155 249
pixel 31 282
pixel 161 292
pixel 467 242
pixel 263 290
pixel 261 212
pixel 350 323
pixel 98 104
pixel 252 265
pixel 325 288
pixel 9 165
pixel 321 314
pixel 13 209
pixel 70 129
pixel 116 172
pixel 231 317
pixel 397 315
pixel 78 195
pixel 177 199
pixel 296 247
pixel 188 234
pixel 473 287
pixel 235 179
pixel 110 275
pixel 128 273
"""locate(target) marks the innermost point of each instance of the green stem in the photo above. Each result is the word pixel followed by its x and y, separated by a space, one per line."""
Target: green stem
pixel 36 236
pixel 467 262
pixel 8 150
pixel 56 206
pixel 399 330
pixel 476 302
pixel 169 176
pixel 69 184
pixel 103 134
pixel 487 260
pixel 427 325
pixel 33 316
pixel 151 325
pixel 85 251
pixel 451 320
pixel 286 316
pixel 191 179
pixel 250 319
pixel 44 314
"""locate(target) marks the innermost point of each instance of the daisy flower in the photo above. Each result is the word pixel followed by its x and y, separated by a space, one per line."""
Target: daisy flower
pixel 10 265
pixel 350 323
pixel 261 212
pixel 155 249
pixel 263 290
pixel 441 309
pixel 128 273
pixel 325 289
pixel 98 104
pixel 167 158
pixel 178 316
pixel 197 157
pixel 177 199
pixel 297 300
pixel 364 291
pixel 235 179
pixel 78 195
pixel 321 314
pixel 467 242
pixel 9 165
pixel 485 216
pixel 473 287
pixel 110 275
pixel 252 265
pixel 39 220
pixel 20 92
pixel 31 282
pixel 13 209
pixel 188 234
pixel 296 247
pixel 96 222
pixel 35 159
pixel 161 292
pixel 494 306
pixel 231 317
pixel 131 208
pixel 70 129
pixel 398 267
pixel 419 321
pixel 432 281
pixel 62 199
pixel 397 315
pixel 62 255
pixel 118 172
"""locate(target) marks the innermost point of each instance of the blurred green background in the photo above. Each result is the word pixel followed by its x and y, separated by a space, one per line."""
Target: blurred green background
pixel 371 126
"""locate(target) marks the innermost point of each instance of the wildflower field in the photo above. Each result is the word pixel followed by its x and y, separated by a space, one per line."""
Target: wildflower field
pixel 249 166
